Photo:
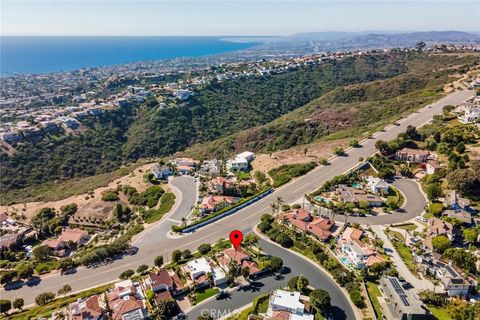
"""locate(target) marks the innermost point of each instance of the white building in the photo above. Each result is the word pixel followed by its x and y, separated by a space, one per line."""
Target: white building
pixel 377 185
pixel 201 266
pixel 288 302
pixel 471 115
pixel 354 253
pixel 182 94
pixel 241 161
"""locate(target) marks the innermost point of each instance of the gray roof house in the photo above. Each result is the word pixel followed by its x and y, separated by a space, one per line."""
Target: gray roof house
pixel 402 304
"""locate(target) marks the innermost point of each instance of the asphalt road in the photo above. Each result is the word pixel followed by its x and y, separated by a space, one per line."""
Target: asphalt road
pixel 157 243
pixel 341 308
pixel 185 192
pixel 414 204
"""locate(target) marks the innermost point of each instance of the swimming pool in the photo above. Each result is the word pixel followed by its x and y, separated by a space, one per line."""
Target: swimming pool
pixel 345 261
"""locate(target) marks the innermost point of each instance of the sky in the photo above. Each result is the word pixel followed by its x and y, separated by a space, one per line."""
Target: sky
pixel 230 17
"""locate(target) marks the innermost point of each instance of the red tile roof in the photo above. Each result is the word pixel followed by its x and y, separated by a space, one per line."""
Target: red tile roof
pixel 85 309
pixel 162 277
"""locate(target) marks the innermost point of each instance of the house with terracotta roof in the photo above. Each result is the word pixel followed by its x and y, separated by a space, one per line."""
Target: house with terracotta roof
pixel 214 203
pixel 165 284
pixel 91 308
pixel 357 253
pixel 76 236
pixel 126 301
pixel 304 221
pixel 241 259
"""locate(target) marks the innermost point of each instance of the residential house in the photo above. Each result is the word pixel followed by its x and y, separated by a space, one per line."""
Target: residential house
pixel 69 237
pixel 354 195
pixel 461 215
pixel 377 185
pixel 161 172
pixel 201 270
pixel 9 240
pixel 126 301
pixel 352 234
pixel 212 167
pixel 188 162
pixel 454 201
pixel 214 203
pixel 401 304
pixel 437 227
pixel 241 259
pixel 90 308
pixel 451 280
pixel 165 281
pixel 76 236
pixel 433 166
pixel 304 221
pixel 241 161
pixel 287 305
pixel 471 114
pixel 414 155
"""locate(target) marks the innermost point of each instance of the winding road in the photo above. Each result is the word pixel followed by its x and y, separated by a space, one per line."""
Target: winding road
pixel 155 241
pixel 341 308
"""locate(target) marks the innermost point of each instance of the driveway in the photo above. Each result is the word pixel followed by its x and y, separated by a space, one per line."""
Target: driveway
pixel 403 271
pixel 341 308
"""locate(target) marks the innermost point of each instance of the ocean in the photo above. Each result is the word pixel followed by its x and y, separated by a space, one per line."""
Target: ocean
pixel 54 54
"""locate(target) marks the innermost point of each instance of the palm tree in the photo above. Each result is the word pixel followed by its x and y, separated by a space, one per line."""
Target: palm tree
pixel 274 207
pixel 279 203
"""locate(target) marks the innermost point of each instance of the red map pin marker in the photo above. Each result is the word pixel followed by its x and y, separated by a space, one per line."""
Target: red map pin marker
pixel 236 237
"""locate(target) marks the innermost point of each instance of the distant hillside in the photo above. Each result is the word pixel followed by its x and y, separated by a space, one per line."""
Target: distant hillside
pixel 314 42
pixel 348 111
pixel 259 113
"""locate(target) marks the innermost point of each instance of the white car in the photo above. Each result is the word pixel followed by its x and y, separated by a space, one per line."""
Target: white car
pixel 421 218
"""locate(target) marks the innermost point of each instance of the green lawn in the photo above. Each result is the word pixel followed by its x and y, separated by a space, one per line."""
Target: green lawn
pixel 397 235
pixel 408 226
pixel 439 313
pixel 166 203
pixel 207 293
pixel 260 304
pixel 407 257
pixel 374 293
pixel 59 303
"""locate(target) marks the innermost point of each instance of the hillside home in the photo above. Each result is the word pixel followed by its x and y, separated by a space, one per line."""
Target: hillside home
pixel 471 115
pixel 437 227
pixel 354 195
pixel 305 222
pixel 199 271
pixel 91 308
pixel 454 201
pixel 433 166
pixel 451 280
pixel 402 304
pixel 214 203
pixel 287 305
pixel 414 155
pixel 126 301
pixel 161 172
pixel 377 185
pixel 241 161
pixel 241 259
pixel 461 215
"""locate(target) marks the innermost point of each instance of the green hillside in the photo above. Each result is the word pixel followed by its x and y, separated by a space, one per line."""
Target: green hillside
pixel 273 112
